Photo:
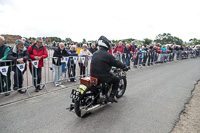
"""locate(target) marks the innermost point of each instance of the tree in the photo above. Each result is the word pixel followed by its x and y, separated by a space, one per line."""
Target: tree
pixel 194 41
pixel 147 41
pixel 177 40
pixel 68 39
pixel 84 41
pixel 167 38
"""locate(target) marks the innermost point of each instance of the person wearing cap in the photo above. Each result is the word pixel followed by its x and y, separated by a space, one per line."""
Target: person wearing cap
pixel 19 55
pixel 93 48
pixel 84 53
pixel 37 52
pixel 4 50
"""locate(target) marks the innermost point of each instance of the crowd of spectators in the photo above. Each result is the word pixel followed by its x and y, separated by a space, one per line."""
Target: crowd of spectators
pixel 19 54
pixel 23 51
pixel 148 54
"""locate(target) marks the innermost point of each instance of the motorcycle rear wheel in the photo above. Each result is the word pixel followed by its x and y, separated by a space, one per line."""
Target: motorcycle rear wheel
pixel 84 101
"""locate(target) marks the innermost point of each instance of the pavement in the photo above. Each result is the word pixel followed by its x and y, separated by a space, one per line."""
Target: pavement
pixel 154 98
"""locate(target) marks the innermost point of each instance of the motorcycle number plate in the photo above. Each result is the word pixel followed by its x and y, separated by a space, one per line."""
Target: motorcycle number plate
pixel 75 95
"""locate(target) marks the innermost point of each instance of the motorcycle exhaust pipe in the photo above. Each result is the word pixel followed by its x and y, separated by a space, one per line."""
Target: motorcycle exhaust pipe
pixel 84 111
pixel 92 108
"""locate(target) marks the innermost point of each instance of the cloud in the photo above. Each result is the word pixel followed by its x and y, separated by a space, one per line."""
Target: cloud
pixel 6 2
pixel 90 19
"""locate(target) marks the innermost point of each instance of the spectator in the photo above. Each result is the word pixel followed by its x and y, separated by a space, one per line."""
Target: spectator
pixel 155 54
pixel 159 50
pixel 197 50
pixel 93 48
pixel 139 55
pixel 19 55
pixel 171 50
pixel 119 49
pixel 168 53
pixel 59 53
pixel 71 64
pixel 4 50
pixel 54 44
pixel 84 53
pixel 127 53
pixel 177 49
pixel 79 48
pixel 96 44
pixel 150 54
pixel 26 43
pixel 37 52
pixel 163 48
pixel 163 55
pixel 144 55
pixel 132 48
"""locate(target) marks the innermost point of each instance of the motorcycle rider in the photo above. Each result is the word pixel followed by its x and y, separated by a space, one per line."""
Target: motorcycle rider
pixel 101 64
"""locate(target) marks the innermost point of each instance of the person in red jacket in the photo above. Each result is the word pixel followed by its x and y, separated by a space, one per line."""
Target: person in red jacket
pixel 119 48
pixel 118 51
pixel 37 52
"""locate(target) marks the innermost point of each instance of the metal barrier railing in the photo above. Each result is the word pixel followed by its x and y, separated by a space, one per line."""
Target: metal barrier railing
pixel 15 78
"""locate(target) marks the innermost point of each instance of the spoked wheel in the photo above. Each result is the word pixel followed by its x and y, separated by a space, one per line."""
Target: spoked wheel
pixel 122 88
pixel 86 100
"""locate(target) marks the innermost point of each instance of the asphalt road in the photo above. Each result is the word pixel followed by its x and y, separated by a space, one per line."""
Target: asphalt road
pixel 154 98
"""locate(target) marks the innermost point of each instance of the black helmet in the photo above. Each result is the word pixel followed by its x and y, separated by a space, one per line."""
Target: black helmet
pixel 104 42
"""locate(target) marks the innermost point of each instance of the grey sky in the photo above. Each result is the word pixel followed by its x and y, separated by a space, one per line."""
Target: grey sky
pixel 116 19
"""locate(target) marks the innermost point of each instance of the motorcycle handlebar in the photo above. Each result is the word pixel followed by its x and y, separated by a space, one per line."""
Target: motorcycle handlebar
pixel 121 69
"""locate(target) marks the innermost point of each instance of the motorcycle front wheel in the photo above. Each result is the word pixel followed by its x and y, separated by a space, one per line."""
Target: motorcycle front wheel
pixel 122 88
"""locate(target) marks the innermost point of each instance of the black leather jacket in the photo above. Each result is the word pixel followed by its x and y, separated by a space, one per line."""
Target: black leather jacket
pixel 101 64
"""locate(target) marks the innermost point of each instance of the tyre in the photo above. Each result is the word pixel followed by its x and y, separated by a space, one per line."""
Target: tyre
pixel 86 100
pixel 122 88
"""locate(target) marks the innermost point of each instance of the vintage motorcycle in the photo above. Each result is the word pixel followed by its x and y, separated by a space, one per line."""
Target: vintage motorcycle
pixel 91 94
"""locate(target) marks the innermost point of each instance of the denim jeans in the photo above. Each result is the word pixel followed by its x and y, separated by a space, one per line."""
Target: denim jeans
pixel 126 61
pixel 57 73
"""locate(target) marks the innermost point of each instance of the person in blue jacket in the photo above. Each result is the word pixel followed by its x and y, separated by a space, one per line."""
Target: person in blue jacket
pixel 72 63
pixel 138 56
pixel 164 49
pixel 163 56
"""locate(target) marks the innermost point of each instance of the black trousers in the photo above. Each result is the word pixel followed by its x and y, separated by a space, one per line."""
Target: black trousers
pixel 115 82
pixel 82 69
pixel 72 70
pixel 18 77
pixel 144 59
pixel 36 73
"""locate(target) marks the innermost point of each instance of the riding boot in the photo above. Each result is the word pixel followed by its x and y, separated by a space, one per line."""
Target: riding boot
pixel 111 98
